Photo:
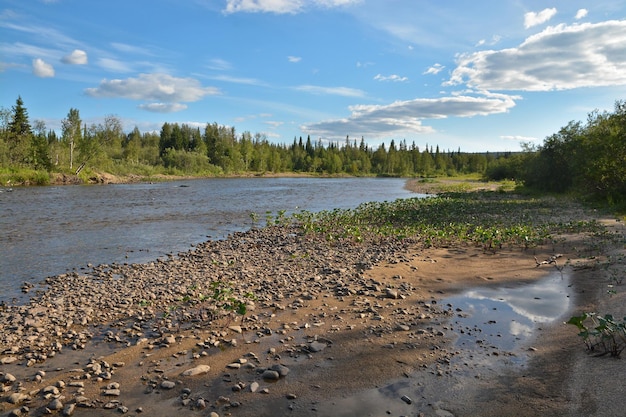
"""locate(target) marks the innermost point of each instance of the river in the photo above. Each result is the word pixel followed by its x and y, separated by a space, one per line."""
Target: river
pixel 46 231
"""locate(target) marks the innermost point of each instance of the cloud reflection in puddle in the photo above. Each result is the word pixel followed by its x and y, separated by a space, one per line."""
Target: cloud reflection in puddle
pixel 506 316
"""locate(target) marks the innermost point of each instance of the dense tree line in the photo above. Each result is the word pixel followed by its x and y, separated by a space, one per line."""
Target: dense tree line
pixel 583 158
pixel 214 150
pixel 586 157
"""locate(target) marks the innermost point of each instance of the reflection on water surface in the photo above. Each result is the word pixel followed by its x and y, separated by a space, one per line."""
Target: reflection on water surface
pixel 504 317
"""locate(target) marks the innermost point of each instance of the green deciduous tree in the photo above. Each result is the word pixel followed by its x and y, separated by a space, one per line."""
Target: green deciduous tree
pixel 71 128
pixel 40 150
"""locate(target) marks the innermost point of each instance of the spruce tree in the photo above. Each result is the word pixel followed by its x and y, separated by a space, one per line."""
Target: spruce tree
pixel 20 133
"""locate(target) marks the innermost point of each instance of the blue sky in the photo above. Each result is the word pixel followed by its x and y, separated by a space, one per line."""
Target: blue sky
pixel 480 76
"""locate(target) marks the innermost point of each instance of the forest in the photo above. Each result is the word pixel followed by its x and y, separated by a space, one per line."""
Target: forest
pixel 588 159
pixel 214 150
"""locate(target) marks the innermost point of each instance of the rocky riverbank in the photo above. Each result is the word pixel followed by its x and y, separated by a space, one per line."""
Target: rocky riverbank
pixel 277 322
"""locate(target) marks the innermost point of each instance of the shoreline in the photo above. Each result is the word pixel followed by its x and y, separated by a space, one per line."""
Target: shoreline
pixel 416 185
pixel 339 320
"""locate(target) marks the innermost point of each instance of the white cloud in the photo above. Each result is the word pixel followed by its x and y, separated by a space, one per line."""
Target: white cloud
pixel 27 50
pixel 114 65
pixel 536 18
pixel 132 49
pixel 274 124
pixel 163 107
pixel 405 117
pixel 237 80
pixel 153 87
pixel 42 69
pixel 494 40
pixel 435 69
pixel 518 329
pixel 393 77
pixel 558 58
pixel 7 65
pixel 360 64
pixel 77 57
pixel 581 13
pixel 265 6
pixel 282 6
pixel 294 59
pixel 219 64
pixel 336 91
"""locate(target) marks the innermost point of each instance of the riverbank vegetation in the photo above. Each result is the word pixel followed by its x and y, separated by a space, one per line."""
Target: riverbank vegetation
pixel 587 159
pixel 212 151
pixel 490 220
pixel 583 158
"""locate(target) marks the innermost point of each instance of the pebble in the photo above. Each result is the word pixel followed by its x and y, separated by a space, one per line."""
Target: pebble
pixel 51 389
pixel 198 370
pixel 113 392
pixel 168 384
pixel 110 405
pixel 236 329
pixel 7 378
pixel 55 404
pixel 391 293
pixel 18 397
pixel 68 410
pixel 271 375
pixel 282 370
pixel 317 346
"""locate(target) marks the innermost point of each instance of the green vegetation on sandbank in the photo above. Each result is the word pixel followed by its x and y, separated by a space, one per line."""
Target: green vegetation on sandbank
pixel 490 220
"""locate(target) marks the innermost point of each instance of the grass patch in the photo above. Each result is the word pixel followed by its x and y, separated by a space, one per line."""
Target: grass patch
pixel 23 176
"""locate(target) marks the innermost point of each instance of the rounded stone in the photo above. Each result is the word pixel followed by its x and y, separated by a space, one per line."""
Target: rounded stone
pixel 55 404
pixel 271 375
pixel 281 369
pixel 168 384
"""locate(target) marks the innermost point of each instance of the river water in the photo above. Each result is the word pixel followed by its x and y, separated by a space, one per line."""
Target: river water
pixel 46 231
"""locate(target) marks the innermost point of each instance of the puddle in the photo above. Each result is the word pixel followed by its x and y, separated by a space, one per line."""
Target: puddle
pixel 494 327
pixel 507 317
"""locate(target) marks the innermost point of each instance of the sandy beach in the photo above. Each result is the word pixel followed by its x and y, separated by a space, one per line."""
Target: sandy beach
pixel 330 329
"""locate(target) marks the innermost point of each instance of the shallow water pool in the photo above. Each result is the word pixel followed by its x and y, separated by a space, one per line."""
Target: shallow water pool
pixel 506 317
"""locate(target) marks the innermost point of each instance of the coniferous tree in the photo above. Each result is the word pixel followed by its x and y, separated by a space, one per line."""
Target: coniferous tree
pixel 19 134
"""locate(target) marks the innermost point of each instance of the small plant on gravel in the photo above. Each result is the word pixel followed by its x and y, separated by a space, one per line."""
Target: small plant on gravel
pixel 601 334
pixel 223 297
